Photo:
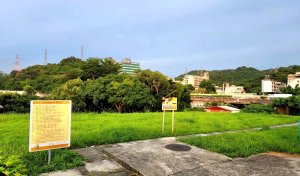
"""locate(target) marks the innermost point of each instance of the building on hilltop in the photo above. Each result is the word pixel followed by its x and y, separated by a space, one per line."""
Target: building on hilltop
pixel 129 67
pixel 294 79
pixel 229 89
pixel 271 86
pixel 195 80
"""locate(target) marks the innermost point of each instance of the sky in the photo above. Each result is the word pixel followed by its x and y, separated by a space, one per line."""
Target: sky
pixel 162 35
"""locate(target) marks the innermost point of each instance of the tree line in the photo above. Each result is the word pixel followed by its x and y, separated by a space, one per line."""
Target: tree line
pixel 93 85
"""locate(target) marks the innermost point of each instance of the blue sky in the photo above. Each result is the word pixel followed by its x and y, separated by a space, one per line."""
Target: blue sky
pixel 163 35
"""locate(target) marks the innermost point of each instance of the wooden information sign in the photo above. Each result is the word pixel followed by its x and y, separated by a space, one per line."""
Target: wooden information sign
pixel 50 124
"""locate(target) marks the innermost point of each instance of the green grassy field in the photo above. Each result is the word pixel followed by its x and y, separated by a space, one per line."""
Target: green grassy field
pixel 95 129
pixel 248 143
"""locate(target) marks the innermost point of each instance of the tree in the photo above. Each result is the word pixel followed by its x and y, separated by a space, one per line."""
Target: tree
pixel 29 90
pixel 290 90
pixel 2 80
pixel 128 92
pixel 71 90
pixel 208 86
pixel 290 105
pixel 71 61
pixel 94 68
pixel 120 92
pixel 154 80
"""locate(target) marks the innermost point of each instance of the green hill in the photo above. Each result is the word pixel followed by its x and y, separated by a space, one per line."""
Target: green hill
pixel 248 77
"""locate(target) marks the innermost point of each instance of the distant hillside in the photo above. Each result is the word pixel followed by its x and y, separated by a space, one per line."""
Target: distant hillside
pixel 248 77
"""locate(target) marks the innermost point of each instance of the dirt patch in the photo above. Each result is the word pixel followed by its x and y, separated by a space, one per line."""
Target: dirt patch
pixel 283 155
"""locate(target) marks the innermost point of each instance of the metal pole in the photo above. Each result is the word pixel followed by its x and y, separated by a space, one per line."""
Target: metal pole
pixel 163 122
pixel 172 121
pixel 299 130
pixel 49 156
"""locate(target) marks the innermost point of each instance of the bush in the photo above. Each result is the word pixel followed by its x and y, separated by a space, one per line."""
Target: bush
pixel 196 109
pixel 12 165
pixel 16 103
pixel 258 108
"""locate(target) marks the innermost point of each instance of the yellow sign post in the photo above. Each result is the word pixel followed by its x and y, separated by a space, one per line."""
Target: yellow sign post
pixel 169 104
pixel 50 125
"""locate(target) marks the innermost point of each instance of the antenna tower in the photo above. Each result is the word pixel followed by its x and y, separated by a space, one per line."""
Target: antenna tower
pixel 17 64
pixel 46 57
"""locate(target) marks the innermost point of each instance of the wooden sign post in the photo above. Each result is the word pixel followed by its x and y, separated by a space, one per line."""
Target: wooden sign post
pixel 169 104
pixel 50 125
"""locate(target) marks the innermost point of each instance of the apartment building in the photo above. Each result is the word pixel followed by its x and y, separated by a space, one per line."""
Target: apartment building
pixel 271 86
pixel 195 80
pixel 294 79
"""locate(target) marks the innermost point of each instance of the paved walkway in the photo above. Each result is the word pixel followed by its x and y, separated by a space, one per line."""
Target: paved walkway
pixel 152 158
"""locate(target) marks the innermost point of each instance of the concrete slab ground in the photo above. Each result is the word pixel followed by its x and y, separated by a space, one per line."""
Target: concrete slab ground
pixel 151 158
pixel 97 164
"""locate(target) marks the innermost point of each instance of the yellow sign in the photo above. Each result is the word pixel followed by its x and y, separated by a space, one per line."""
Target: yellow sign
pixel 50 124
pixel 169 103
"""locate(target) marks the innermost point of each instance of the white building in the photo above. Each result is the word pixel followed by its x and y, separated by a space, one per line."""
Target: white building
pixel 229 89
pixel 266 86
pixel 271 86
pixel 294 79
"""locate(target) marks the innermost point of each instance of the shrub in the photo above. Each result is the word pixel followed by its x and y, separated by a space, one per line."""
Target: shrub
pixel 12 165
pixel 258 108
pixel 196 109
pixel 16 103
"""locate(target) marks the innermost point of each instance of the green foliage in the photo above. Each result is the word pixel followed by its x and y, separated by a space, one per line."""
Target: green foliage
pixel 61 159
pixel 29 90
pixel 250 143
pixel 196 109
pixel 248 77
pixel 71 61
pixel 258 108
pixel 2 80
pixel 290 90
pixel 292 103
pixel 160 87
pixel 15 102
pixel 208 86
pixel 94 68
pixel 45 78
pixel 128 92
pixel 71 90
pixel 12 165
pixel 122 92
pixel 281 73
